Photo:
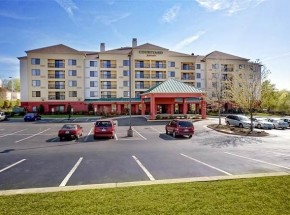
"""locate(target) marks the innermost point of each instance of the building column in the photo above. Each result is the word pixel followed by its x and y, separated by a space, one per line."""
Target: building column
pixel 184 107
pixel 197 108
pixel 203 109
pixel 137 108
pixel 119 110
pixel 143 106
pixel 152 107
pixel 172 108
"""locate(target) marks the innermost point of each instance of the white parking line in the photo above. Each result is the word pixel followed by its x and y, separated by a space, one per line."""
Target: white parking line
pixel 65 180
pixel 12 133
pixel 139 134
pixel 12 165
pixel 88 135
pixel 144 169
pixel 227 173
pixel 258 160
pixel 116 137
pixel 156 130
pixel 31 136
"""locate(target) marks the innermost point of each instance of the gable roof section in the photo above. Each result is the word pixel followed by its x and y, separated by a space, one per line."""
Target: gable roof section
pixel 173 86
pixel 56 49
pixel 150 46
pixel 122 50
pixel 222 56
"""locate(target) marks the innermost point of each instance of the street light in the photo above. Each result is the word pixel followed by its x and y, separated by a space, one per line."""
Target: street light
pixel 11 88
pixel 130 130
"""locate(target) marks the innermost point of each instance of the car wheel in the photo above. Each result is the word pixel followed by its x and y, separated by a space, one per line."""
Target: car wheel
pixel 259 126
pixel 60 138
pixel 76 137
pixel 228 123
pixel 174 134
pixel 241 125
pixel 95 137
pixel 190 136
pixel 166 131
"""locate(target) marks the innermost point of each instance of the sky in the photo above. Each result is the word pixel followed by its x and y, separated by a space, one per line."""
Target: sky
pixel 253 29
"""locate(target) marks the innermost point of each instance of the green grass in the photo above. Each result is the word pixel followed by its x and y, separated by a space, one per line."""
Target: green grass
pixel 270 195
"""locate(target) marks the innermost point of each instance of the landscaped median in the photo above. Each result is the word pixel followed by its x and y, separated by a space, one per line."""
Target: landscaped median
pixel 265 195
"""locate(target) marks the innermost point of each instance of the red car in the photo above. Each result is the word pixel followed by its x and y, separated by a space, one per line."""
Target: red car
pixel 180 127
pixel 72 131
pixel 104 128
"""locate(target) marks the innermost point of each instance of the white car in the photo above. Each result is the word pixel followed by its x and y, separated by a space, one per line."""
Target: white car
pixel 238 120
pixel 278 123
pixel 3 116
pixel 262 123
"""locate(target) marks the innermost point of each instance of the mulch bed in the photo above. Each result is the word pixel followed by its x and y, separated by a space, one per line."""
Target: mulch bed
pixel 237 131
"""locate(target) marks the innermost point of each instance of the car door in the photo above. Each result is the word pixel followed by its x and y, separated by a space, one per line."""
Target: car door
pixel 170 126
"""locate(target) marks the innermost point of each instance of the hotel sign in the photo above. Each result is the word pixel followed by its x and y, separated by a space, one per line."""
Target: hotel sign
pixel 151 53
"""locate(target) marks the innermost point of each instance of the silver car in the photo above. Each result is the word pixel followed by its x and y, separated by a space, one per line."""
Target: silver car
pixel 278 123
pixel 261 123
pixel 238 120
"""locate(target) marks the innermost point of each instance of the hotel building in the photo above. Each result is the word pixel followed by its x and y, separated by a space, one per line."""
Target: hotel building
pixel 58 75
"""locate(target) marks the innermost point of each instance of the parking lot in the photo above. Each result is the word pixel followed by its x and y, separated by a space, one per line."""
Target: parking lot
pixel 32 155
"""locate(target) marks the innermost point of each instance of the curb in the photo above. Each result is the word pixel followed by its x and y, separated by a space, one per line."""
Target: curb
pixel 137 183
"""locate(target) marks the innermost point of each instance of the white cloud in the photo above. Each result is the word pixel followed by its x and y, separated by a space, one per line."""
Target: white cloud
pixel 170 14
pixel 109 20
pixel 8 60
pixel 283 55
pixel 230 6
pixel 68 5
pixel 189 40
pixel 12 15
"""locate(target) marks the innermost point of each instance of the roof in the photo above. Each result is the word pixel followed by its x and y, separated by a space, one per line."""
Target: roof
pixel 113 100
pixel 222 56
pixel 122 50
pixel 178 54
pixel 149 46
pixel 173 86
pixel 56 49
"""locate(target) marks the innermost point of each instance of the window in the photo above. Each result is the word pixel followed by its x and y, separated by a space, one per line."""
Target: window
pixel 215 66
pixel 171 74
pixel 171 64
pixel 35 61
pixel 72 62
pixel 215 75
pixel 72 93
pixel 197 66
pixel 93 83
pixel 72 83
pixel 72 73
pixel 242 66
pixel 35 83
pixel 126 83
pixel 35 93
pixel 93 74
pixel 93 93
pixel 198 85
pixel 198 75
pixel 36 72
pixel 126 93
pixel 125 73
pixel 125 62
pixel 213 94
pixel 93 63
pixel 214 84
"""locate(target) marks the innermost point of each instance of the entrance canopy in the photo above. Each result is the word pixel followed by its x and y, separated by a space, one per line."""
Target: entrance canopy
pixel 171 92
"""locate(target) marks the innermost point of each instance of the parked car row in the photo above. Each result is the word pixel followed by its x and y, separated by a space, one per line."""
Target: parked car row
pixel 269 123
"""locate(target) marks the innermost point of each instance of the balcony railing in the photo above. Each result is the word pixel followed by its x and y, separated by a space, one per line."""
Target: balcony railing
pixel 108 96
pixel 55 76
pixel 112 76
pixel 147 76
pixel 158 65
pixel 158 76
pixel 146 86
pixel 228 70
pixel 105 65
pixel 188 77
pixel 109 87
pixel 53 97
pixel 142 65
pixel 53 86
pixel 187 67
pixel 56 65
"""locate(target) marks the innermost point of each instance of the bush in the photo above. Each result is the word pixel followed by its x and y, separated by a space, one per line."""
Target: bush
pixel 158 117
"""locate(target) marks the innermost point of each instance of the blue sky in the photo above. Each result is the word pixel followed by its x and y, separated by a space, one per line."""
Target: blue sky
pixel 254 29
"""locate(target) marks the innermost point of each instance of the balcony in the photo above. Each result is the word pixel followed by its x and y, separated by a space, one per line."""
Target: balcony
pixel 142 65
pixel 108 96
pixel 108 86
pixel 187 67
pixel 190 77
pixel 56 65
pixel 158 65
pixel 163 76
pixel 146 76
pixel 111 76
pixel 146 86
pixel 106 65
pixel 55 97
pixel 56 76
pixel 53 86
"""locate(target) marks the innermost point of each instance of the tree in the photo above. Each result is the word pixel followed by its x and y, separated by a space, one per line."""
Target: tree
pixel 268 96
pixel 7 83
pixel 245 89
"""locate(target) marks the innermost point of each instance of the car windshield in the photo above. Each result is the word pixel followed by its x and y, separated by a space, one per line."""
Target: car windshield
pixel 243 118
pixel 69 127
pixel 185 124
pixel 103 124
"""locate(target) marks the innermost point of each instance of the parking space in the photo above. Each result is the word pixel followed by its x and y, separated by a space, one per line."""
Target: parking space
pixel 32 155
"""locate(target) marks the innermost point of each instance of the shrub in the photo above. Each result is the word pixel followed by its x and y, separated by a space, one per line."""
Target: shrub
pixel 158 117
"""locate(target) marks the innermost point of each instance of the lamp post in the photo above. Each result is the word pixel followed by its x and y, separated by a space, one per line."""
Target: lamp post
pixel 130 130
pixel 11 88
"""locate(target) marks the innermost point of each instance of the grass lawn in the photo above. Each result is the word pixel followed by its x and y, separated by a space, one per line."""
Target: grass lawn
pixel 269 195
